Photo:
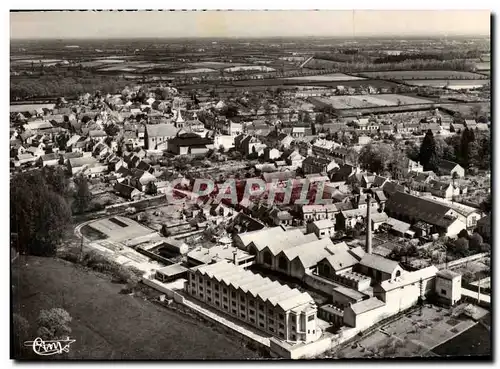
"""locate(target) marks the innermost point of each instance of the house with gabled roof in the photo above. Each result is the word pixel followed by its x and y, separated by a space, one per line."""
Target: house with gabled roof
pixel 447 168
pixel 126 191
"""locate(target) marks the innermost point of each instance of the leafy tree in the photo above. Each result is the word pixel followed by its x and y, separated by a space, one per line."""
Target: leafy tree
pixel 476 111
pixel 20 328
pixel 230 111
pixel 151 188
pixel 112 129
pixel 83 197
pixel 54 324
pixel 306 118
pixel 486 205
pixel 412 150
pixel 320 118
pixel 428 155
pixel 376 157
pixel 39 216
pixel 476 241
pixel 462 246
pixel 56 179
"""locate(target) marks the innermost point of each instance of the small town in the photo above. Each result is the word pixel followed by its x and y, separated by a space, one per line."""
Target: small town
pixel 329 220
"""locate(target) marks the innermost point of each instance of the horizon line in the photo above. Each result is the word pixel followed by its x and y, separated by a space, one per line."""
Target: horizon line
pixel 348 37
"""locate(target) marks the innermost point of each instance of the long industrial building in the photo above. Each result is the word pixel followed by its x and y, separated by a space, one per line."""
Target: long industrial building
pixel 269 306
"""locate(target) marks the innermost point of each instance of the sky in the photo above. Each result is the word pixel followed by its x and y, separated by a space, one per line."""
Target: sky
pixel 288 23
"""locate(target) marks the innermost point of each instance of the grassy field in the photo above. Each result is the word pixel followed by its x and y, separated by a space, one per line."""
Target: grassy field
pixel 108 325
pixel 326 78
pixel 368 101
pixel 451 84
pixel 475 341
pixel 421 74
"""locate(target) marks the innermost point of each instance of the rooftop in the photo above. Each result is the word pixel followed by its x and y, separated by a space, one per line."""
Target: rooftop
pixel 258 286
pixel 366 305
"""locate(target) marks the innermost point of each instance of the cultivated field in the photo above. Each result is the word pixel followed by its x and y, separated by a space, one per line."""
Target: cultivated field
pixel 245 68
pixel 421 74
pixel 194 71
pixel 212 64
pixel 369 101
pixel 108 325
pixel 483 66
pixel 326 77
pixel 450 84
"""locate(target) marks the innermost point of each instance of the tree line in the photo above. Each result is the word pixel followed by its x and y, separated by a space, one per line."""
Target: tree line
pixel 54 85
pixel 41 204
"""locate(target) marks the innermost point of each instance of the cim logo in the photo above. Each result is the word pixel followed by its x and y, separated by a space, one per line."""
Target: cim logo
pixel 46 348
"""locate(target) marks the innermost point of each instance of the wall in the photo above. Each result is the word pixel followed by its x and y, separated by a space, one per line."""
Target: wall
pixel 301 351
pixel 319 283
pixel 140 204
pixel 154 256
pixel 402 298
pixel 462 261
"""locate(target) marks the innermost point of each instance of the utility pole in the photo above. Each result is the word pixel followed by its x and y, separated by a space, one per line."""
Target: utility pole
pixel 478 291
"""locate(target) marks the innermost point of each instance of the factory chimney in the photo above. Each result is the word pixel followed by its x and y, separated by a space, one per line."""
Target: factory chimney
pixel 368 225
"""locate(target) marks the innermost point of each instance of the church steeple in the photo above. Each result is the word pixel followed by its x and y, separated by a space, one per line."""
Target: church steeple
pixel 179 121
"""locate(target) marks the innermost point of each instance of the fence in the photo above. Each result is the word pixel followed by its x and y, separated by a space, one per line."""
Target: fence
pixel 154 256
pixel 458 262
pixel 139 204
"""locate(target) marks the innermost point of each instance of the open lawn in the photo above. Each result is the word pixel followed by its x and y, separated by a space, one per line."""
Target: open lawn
pixel 108 325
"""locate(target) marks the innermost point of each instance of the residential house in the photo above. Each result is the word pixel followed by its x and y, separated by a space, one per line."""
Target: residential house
pixel 322 228
pixel 295 159
pixel 413 166
pixel 280 217
pixel 271 154
pixel 313 164
pixel 25 158
pixel 347 219
pixel 457 127
pixel 140 179
pixel 80 164
pixel 126 191
pixel 48 160
pixel 446 190
pixel 319 212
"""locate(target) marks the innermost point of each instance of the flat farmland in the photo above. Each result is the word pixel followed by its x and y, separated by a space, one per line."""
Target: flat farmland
pixel 421 74
pixel 246 68
pixel 483 66
pixel 325 77
pixel 369 101
pixel 452 84
pixel 195 71
pixel 109 325
pixel 213 65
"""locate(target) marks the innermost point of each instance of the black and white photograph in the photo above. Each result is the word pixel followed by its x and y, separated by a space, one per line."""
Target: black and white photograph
pixel 250 185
